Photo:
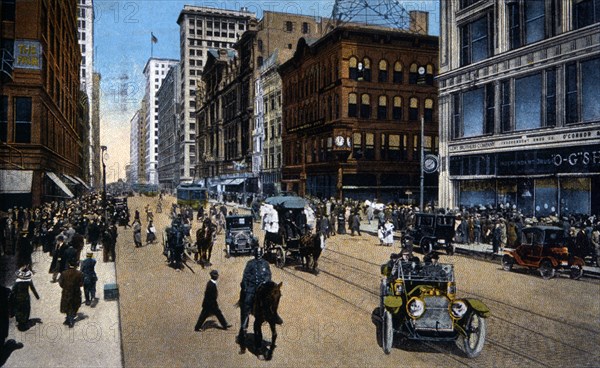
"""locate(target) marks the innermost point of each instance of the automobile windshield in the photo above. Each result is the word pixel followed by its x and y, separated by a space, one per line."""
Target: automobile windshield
pixel 239 222
pixel 425 272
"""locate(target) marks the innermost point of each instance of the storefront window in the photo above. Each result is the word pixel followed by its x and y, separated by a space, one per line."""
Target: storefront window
pixel 525 197
pixel 575 196
pixel 546 194
pixel 507 192
pixel 477 193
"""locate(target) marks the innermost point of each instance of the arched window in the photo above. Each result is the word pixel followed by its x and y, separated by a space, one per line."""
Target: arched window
pixel 413 110
pixel 428 112
pixel 429 75
pixel 382 77
pixel 353 68
pixel 398 72
pixel 413 73
pixel 365 106
pixel 352 100
pixel 367 69
pixel 382 108
pixel 357 149
pixel 397 109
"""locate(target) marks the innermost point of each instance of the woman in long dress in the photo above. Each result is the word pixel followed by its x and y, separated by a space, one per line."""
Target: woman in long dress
pixel 21 301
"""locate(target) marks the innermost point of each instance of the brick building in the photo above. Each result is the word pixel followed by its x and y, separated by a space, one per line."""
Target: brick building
pixel 352 104
pixel 41 123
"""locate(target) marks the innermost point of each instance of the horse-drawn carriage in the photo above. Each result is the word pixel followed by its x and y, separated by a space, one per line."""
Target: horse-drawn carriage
pixel 288 222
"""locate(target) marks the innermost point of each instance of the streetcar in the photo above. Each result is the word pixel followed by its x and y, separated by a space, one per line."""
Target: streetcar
pixel 192 195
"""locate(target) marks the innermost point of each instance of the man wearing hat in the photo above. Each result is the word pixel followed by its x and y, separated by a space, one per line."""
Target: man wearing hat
pixel 210 306
pixel 71 281
pixel 89 278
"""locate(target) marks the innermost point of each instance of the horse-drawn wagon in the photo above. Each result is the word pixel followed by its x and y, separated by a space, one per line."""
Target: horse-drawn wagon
pixel 288 222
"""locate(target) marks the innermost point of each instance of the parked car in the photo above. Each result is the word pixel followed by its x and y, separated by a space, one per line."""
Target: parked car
pixel 418 301
pixel 543 248
pixel 239 235
pixel 433 231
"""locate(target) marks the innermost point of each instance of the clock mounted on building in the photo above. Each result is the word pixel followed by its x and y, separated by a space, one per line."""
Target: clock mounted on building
pixel 339 141
pixel 421 70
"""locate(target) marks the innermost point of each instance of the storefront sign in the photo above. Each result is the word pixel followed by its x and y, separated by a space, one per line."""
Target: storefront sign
pixel 28 55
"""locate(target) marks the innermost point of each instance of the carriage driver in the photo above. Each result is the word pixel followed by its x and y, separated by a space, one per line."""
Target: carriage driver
pixel 256 273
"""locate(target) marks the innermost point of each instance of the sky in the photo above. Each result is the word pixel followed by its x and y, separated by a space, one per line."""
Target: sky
pixel 122 37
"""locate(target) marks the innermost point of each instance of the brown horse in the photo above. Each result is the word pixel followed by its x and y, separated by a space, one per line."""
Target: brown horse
pixel 266 303
pixel 311 246
pixel 205 240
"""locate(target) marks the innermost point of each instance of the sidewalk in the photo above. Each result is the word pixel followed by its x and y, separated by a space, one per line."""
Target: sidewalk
pixel 95 341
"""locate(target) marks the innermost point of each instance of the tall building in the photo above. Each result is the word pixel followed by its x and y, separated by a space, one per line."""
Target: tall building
pixel 201 29
pixel 95 116
pixel 135 161
pixel 168 129
pixel 85 35
pixel 520 105
pixel 41 122
pixel 353 101
pixel 155 72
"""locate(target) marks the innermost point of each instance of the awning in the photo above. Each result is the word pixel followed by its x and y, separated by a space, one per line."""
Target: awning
pixel 16 181
pixel 71 179
pixel 237 181
pixel 60 184
pixel 82 182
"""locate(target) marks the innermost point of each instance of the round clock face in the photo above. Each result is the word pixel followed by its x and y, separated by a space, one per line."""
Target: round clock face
pixel 349 142
pixel 339 141
pixel 429 164
pixel 421 70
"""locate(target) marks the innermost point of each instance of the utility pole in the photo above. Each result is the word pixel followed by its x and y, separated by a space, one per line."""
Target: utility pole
pixel 422 154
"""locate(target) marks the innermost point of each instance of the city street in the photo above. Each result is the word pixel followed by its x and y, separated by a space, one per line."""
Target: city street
pixel 327 318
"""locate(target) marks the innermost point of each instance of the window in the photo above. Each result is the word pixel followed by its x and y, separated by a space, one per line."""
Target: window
pixel 397 109
pixel 382 108
pixel 259 61
pixel 429 75
pixel 586 12
pixel 366 73
pixel 382 77
pixel 413 109
pixel 413 74
pixel 305 28
pixel 393 147
pixel 353 68
pixel 550 98
pixel 357 151
pixel 369 146
pixel 527 21
pixel 352 102
pixel 505 108
pixel 490 107
pixel 398 75
pixel 23 119
pixel 528 102
pixel 465 3
pixel 473 112
pixel 590 90
pixel 241 26
pixel 365 106
pixel 428 112
pixel 3 118
pixel 289 26
pixel 476 40
pixel 259 44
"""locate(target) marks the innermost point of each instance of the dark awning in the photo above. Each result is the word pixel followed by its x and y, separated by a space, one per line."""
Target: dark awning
pixel 60 184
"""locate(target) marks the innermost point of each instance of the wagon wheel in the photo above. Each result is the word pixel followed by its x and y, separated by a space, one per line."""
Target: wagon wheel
pixel 387 333
pixel 475 329
pixel 426 246
pixel 546 270
pixel 279 256
pixel 507 262
pixel 576 272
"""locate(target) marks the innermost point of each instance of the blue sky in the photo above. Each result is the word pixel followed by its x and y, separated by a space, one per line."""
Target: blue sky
pixel 122 47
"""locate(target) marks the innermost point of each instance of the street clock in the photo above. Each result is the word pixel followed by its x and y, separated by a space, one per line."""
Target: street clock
pixel 430 164
pixel 339 141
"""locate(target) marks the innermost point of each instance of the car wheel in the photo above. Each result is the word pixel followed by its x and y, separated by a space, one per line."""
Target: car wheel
pixel 279 256
pixel 426 246
pixel 475 329
pixel 387 333
pixel 546 270
pixel 507 262
pixel 576 272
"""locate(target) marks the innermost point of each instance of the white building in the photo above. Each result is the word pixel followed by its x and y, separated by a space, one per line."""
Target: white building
pixel 201 29
pixel 85 35
pixel 155 71
pixel 168 128
pixel 134 160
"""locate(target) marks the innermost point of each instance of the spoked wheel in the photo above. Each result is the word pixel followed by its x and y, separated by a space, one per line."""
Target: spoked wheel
pixel 426 246
pixel 546 270
pixel 576 272
pixel 472 343
pixel 387 332
pixel 279 256
pixel 507 262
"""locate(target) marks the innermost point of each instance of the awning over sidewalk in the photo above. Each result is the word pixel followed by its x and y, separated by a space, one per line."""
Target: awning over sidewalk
pixel 16 181
pixel 237 181
pixel 60 184
pixel 82 182
pixel 71 179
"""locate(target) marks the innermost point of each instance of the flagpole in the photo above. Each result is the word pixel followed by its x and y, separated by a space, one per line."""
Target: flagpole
pixel 151 45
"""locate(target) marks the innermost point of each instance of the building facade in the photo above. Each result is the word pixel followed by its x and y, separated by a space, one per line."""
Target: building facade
pixel 85 36
pixel 352 107
pixel 40 119
pixel 136 161
pixel 168 129
pixel 201 29
pixel 520 97
pixel 95 116
pixel 155 72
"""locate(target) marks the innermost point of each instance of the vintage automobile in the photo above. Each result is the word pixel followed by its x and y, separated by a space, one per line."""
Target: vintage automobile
pixel 418 301
pixel 433 231
pixel 239 235
pixel 543 248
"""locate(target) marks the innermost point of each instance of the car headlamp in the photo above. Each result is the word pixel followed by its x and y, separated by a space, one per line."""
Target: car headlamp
pixel 398 287
pixel 458 308
pixel 451 291
pixel 415 307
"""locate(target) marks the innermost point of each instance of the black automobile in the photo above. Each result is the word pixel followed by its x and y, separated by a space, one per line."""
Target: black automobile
pixel 433 231
pixel 239 235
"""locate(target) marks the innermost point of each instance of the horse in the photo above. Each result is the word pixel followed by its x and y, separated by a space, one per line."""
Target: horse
pixel 311 246
pixel 205 240
pixel 266 303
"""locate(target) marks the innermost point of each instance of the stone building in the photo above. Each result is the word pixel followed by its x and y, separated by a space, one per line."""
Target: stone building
pixel 168 129
pixel 41 124
pixel 352 105
pixel 519 96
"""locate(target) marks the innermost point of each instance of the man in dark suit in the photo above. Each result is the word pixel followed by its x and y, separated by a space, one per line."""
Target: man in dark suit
pixel 209 304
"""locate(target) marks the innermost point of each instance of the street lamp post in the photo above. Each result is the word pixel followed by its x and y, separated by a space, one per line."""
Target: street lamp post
pixel 103 148
pixel 422 177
